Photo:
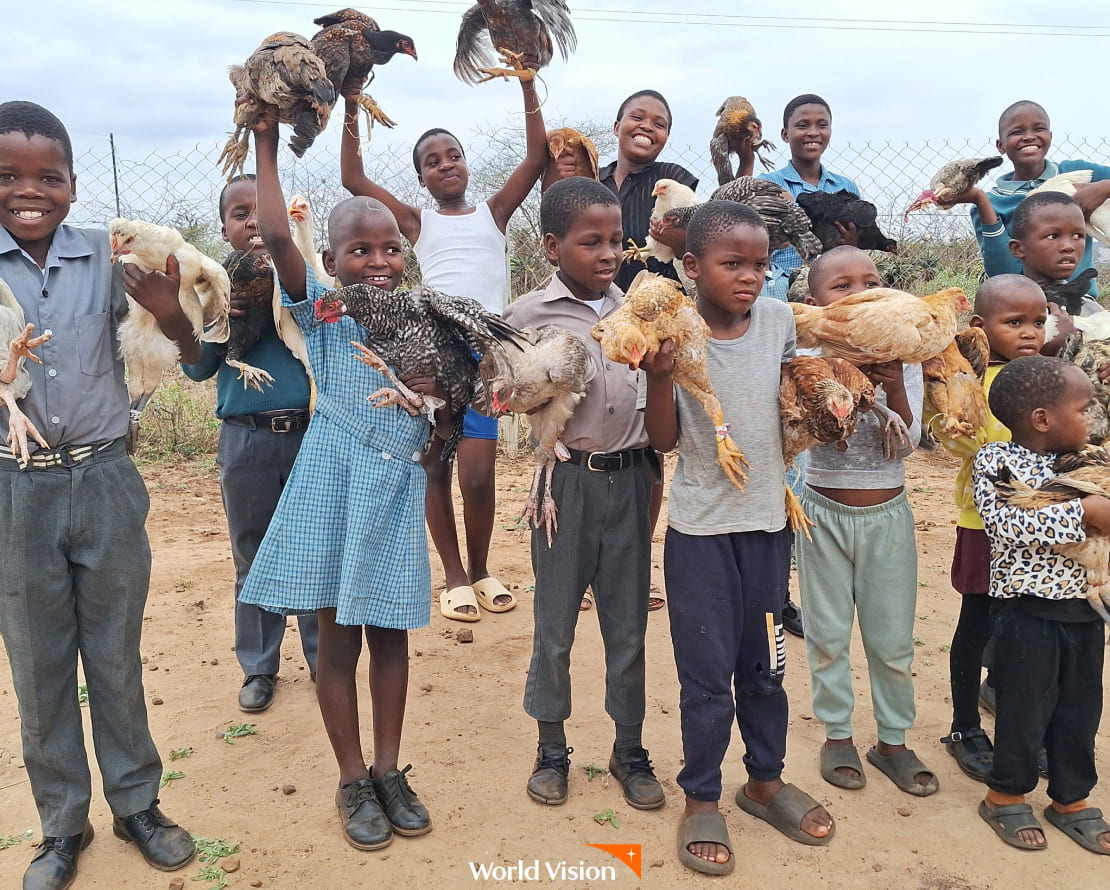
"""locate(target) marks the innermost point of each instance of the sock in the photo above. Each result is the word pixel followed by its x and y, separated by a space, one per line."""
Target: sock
pixel 629 735
pixel 552 733
pixel 1070 807
pixel 998 799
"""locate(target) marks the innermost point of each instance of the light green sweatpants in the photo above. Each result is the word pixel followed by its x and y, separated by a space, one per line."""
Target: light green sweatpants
pixel 862 560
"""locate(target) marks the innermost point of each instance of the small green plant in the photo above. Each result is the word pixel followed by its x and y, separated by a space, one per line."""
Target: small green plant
pixel 212 849
pixel 212 873
pixel 83 695
pixel 924 489
pixel 12 840
pixel 237 731
pixel 607 816
pixel 180 753
pixel 917 641
pixel 170 776
pixel 592 771
pixel 922 583
pixel 946 647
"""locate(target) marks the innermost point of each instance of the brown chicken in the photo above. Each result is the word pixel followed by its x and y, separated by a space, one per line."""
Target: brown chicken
pixel 545 378
pixel 571 153
pixel 517 29
pixel 655 309
pixel 786 222
pixel 1080 473
pixel 736 124
pixel 820 400
pixel 953 179
pixel 955 404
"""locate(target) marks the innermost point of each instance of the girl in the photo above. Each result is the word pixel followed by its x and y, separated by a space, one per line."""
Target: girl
pixel 347 540
pixel 461 248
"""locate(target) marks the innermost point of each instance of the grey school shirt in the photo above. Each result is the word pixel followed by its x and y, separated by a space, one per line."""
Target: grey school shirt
pixel 745 374
pixel 78 395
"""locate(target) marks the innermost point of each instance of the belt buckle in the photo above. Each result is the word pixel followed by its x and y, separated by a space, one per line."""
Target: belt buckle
pixel 63 457
pixel 282 424
pixel 603 469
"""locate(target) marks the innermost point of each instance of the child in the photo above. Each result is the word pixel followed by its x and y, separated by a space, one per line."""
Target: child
pixel 727 552
pixel 347 540
pixel 1049 642
pixel 604 490
pixel 74 556
pixel 461 250
pixel 863 559
pixel 1024 136
pixel 1011 311
pixel 259 439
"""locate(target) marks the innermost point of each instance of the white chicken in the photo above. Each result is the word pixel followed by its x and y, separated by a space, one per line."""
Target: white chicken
pixel 669 195
pixel 15 381
pixel 204 295
pixel 1098 226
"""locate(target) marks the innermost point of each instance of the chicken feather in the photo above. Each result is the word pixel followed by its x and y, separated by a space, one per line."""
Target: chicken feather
pixel 516 29
pixel 15 380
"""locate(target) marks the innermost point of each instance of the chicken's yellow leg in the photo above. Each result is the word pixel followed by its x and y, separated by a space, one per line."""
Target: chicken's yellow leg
pixel 796 515
pixel 374 112
pixel 729 455
pixel 508 57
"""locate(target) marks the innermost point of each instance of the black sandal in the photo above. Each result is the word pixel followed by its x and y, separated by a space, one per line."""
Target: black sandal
pixel 973 751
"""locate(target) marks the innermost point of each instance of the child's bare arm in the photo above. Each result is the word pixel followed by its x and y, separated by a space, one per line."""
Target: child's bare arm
pixel 1096 514
pixel 504 203
pixel 1090 196
pixel 354 175
pixel 159 294
pixel 273 221
pixel 660 418
pixel 427 386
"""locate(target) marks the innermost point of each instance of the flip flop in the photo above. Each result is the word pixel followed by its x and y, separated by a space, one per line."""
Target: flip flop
pixel 1007 821
pixel 901 767
pixel 463 595
pixel 1083 826
pixel 588 601
pixel 487 590
pixel 706 827
pixel 656 600
pixel 785 812
pixel 834 757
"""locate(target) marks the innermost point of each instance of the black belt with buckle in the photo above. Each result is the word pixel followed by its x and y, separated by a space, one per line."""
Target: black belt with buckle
pixel 608 461
pixel 277 421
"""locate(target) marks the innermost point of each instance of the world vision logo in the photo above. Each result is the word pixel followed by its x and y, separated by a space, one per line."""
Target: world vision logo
pixel 629 854
pixel 562 871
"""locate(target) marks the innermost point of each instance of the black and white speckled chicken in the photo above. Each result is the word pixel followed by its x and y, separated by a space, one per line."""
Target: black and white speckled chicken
pixel 953 179
pixel 420 332
pixel 786 222
pixel 252 282
pixel 736 124
pixel 826 209
pixel 517 29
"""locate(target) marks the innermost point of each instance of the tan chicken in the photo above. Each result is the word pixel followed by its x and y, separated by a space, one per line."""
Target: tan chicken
pixel 204 295
pixel 545 378
pixel 304 236
pixel 953 179
pixel 881 325
pixel 571 153
pixel 671 198
pixel 1079 473
pixel 736 124
pixel 1098 224
pixel 15 381
pixel 517 29
pixel 955 404
pixel 655 309
pixel 820 400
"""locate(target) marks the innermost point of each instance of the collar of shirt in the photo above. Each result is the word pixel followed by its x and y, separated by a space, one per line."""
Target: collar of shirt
pixel 1007 185
pixel 67 242
pixel 790 174
pixel 557 290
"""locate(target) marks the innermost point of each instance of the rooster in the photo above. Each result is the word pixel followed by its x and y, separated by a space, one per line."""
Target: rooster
pixel 1098 225
pixel 955 404
pixel 15 381
pixel 204 295
pixel 953 179
pixel 826 209
pixel 786 222
pixel 517 29
pixel 420 332
pixel 675 203
pixel 571 153
pixel 545 379
pixel 655 309
pixel 736 124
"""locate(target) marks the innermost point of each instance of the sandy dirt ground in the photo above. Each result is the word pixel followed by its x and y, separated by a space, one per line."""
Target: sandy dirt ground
pixel 472 746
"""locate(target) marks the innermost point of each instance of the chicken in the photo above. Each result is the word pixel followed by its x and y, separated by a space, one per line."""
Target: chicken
pixel 953 179
pixel 1089 349
pixel 736 123
pixel 820 400
pixel 670 196
pixel 655 309
pixel 350 44
pixel 826 209
pixel 571 154
pixel 1098 225
pixel 955 404
pixel 420 332
pixel 284 72
pixel 1080 473
pixel 798 290
pixel 252 280
pixel 204 295
pixel 545 379
pixel 15 381
pixel 516 29
pixel 304 236
pixel 786 222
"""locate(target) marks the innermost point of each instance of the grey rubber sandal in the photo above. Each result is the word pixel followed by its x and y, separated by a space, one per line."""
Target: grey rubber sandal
pixel 785 812
pixel 835 757
pixel 707 827
pixel 1082 826
pixel 901 767
pixel 1008 820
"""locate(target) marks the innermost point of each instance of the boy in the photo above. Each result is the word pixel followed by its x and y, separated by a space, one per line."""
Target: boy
pixel 1048 240
pixel 727 552
pixel 862 559
pixel 606 487
pixel 1050 643
pixel 1024 136
pixel 1011 311
pixel 260 436
pixel 74 557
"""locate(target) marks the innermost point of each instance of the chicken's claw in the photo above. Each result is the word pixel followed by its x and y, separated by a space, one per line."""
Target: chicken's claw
pixel 251 376
pixel 894 430
pixel 374 112
pixel 398 394
pixel 729 455
pixel 387 395
pixel 518 70
pixel 20 348
pixel 796 515
pixel 20 428
pixel 635 253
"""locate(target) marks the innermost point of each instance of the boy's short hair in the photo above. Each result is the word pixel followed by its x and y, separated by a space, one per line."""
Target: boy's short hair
pixel 428 134
pixel 1020 103
pixel 1025 384
pixel 1023 216
pixel 567 198
pixel 654 95
pixel 998 286
pixel 242 177
pixel 817 264
pixel 713 218
pixel 34 120
pixel 798 101
pixel 348 206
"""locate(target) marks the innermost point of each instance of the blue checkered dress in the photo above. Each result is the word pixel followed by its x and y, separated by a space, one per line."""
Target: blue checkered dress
pixel 348 531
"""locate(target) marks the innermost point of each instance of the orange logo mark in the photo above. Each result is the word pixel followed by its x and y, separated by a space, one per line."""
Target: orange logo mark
pixel 629 854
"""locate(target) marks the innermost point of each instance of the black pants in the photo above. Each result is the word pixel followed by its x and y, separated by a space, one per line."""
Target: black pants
pixel 1048 683
pixel 966 660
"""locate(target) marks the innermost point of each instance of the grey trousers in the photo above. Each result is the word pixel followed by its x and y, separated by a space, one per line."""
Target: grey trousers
pixel 255 463
pixel 74 573
pixel 604 540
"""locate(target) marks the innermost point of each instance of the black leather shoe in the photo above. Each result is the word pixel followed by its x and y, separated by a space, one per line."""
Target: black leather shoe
pixel 257 693
pixel 54 866
pixel 402 807
pixel 792 619
pixel 548 783
pixel 633 770
pixel 165 845
pixel 365 825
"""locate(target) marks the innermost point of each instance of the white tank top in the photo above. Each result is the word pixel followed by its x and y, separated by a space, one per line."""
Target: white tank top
pixel 464 256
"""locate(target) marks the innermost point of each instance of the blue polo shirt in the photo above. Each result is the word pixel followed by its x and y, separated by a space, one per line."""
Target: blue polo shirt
pixel 790 179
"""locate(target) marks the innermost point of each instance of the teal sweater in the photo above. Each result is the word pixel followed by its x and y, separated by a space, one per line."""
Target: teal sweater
pixel 289 391
pixel 1007 193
